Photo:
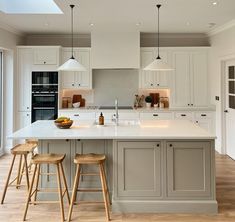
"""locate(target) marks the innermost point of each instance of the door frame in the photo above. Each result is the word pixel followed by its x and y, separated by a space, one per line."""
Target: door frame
pixel 223 61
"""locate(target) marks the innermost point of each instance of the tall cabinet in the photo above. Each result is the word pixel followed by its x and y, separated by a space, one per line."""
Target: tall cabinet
pixel 190 83
pixel 23 95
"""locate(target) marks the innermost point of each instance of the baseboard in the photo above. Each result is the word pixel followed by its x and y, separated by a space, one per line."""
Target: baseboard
pixel 181 206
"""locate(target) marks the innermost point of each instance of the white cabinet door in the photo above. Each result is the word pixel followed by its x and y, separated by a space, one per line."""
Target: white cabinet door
pixel 45 56
pixel 147 77
pixel 24 119
pixel 205 120
pixel 181 89
pixel 68 78
pixel 84 78
pixel 162 78
pixel 184 115
pixel 24 60
pixel 76 115
pixel 199 94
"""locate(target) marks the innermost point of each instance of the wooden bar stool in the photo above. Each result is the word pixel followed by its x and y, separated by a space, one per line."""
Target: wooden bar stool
pixel 21 150
pixel 89 159
pixel 38 160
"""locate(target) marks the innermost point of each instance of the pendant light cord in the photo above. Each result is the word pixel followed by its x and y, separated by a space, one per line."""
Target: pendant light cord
pixel 158 38
pixel 72 6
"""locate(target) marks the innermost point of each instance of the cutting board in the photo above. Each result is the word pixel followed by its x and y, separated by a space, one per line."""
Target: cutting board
pixel 78 98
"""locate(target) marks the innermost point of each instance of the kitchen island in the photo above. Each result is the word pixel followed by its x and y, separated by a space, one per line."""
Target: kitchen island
pixel 152 166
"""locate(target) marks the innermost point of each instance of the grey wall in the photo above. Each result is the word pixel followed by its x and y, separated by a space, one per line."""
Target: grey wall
pixel 110 84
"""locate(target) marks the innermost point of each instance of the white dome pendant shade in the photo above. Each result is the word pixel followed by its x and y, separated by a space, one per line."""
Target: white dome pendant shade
pixel 72 64
pixel 158 64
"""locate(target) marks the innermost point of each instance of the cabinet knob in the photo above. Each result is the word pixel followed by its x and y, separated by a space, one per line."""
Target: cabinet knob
pixel 226 111
pixel 158 145
pixel 196 121
pixel 27 114
pixel 158 84
pixel 188 104
pixel 191 104
pixel 170 145
pixel 72 84
pixel 27 107
pixel 44 62
pixel 79 84
pixel 67 140
pixel 151 84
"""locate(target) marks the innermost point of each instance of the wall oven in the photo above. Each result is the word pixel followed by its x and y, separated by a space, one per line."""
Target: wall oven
pixel 44 96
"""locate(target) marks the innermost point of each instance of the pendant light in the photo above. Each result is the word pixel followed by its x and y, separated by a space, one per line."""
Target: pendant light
pixel 72 64
pixel 158 64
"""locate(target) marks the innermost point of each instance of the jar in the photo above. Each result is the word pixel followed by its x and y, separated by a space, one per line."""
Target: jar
pixel 65 102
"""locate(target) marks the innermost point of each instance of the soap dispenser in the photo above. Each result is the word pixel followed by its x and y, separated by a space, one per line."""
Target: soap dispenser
pixel 101 119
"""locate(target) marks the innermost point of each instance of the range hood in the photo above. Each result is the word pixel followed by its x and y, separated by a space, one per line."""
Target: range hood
pixel 115 50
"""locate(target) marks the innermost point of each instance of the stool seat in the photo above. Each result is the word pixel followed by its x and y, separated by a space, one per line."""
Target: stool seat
pixel 21 149
pixel 50 158
pixel 90 158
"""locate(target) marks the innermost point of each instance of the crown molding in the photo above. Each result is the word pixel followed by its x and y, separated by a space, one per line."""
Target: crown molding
pixel 9 28
pixel 222 28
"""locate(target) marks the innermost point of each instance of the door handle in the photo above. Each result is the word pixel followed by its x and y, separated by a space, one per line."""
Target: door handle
pixel 226 111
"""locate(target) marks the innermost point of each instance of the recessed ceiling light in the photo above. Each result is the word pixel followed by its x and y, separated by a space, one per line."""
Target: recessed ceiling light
pixel 92 24
pixel 214 3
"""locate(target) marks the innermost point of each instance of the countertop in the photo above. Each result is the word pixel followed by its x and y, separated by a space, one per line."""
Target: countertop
pixel 158 129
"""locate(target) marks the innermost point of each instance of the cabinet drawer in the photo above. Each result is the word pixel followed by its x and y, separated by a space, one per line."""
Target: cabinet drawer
pixel 184 115
pixel 203 115
pixel 156 115
pixel 78 115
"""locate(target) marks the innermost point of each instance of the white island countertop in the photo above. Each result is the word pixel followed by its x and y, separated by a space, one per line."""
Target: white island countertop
pixel 158 129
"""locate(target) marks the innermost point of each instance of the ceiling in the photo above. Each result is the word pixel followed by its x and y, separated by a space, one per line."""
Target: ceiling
pixel 176 16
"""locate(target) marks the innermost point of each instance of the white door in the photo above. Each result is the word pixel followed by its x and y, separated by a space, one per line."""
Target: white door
pixel 230 108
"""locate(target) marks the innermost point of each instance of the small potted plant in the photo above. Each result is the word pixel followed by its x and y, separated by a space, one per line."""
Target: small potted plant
pixel 148 100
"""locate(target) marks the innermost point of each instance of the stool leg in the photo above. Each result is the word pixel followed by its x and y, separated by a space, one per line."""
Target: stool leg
pixel 19 171
pixel 106 184
pixel 21 174
pixel 37 181
pixel 64 180
pixel 74 192
pixel 26 170
pixel 60 192
pixel 104 193
pixel 30 191
pixel 8 178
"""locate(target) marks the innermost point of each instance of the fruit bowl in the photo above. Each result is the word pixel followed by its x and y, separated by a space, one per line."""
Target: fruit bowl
pixel 63 123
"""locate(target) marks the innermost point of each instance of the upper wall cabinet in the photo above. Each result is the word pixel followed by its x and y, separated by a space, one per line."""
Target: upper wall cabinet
pixel 46 58
pixel 75 80
pixel 151 79
pixel 190 83
pixel 24 70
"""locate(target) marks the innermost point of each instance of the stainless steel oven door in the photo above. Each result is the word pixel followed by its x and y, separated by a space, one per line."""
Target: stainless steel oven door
pixel 44 113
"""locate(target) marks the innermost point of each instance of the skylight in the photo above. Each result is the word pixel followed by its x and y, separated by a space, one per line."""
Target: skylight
pixel 29 7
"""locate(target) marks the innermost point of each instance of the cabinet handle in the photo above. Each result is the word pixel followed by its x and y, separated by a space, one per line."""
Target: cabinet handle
pixel 44 62
pixel 155 114
pixel 76 114
pixel 203 114
pixel 170 145
pixel 183 115
pixel 196 121
pixel 151 84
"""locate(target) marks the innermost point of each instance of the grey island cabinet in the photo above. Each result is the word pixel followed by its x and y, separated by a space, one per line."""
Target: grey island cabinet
pixel 157 166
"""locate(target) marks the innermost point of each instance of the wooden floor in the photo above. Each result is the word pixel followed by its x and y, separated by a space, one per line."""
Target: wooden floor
pixel 12 210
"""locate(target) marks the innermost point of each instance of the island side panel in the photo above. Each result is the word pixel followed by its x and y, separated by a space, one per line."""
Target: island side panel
pixel 70 148
pixel 187 176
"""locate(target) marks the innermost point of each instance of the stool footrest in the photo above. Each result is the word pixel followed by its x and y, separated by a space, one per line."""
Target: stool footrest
pixel 89 190
pixel 45 202
pixel 89 174
pixel 88 202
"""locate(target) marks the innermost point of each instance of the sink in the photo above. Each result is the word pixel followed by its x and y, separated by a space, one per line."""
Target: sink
pixel 120 123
